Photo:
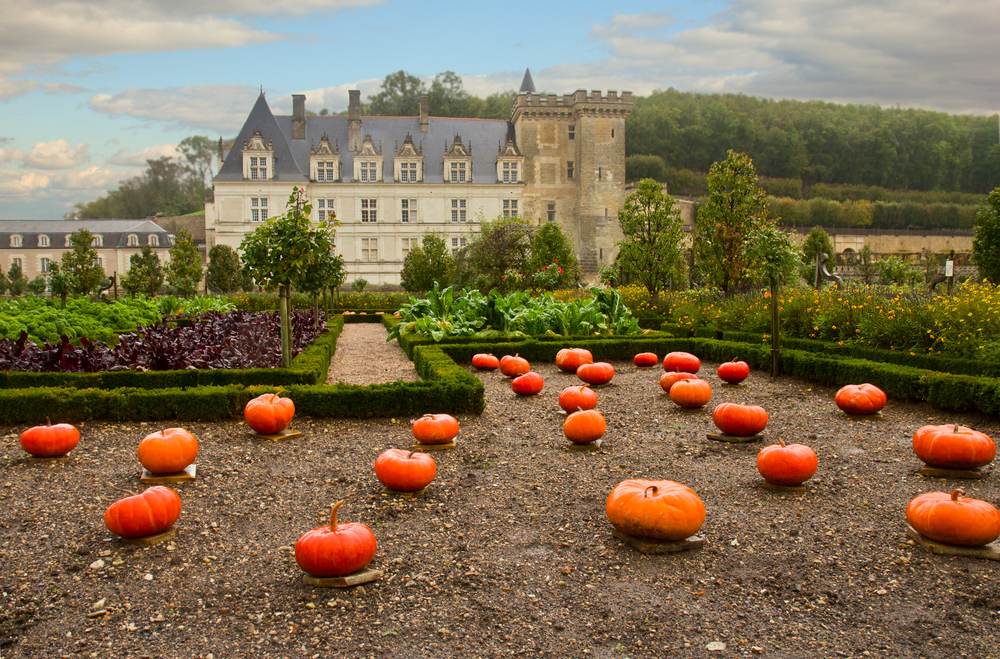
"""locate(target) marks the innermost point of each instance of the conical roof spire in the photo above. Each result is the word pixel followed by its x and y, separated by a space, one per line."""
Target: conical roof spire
pixel 527 84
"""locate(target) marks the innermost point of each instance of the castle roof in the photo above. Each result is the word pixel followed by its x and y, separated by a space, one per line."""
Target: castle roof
pixel 114 233
pixel 527 84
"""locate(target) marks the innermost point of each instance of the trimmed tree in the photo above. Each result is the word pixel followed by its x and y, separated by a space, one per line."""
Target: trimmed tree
pixel 553 263
pixel 650 251
pixel 223 274
pixel 58 283
pixel 817 241
pixel 16 281
pixel 773 258
pixel 427 263
pixel 4 283
pixel 37 285
pixel 84 274
pixel 498 257
pixel 145 274
pixel 185 267
pixel 986 244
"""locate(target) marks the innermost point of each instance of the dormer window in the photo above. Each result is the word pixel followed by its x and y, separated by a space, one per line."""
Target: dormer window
pixel 458 172
pixel 511 171
pixel 458 162
pixel 409 162
pixel 153 240
pixel 16 241
pixel 43 240
pixel 325 159
pixel 69 240
pixel 98 240
pixel 509 163
pixel 368 162
pixel 133 240
pixel 369 171
pixel 258 158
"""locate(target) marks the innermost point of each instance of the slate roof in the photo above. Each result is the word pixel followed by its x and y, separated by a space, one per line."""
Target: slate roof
pixel 527 83
pixel 292 156
pixel 114 232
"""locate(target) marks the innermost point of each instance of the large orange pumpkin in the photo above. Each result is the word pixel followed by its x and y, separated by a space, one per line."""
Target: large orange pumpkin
pixel 597 373
pixel 953 447
pixel 529 384
pixel 667 380
pixel 50 441
pixel 168 451
pixel 151 512
pixel 514 365
pixel 860 399
pixel 584 426
pixel 485 362
pixel 435 428
pixel 570 359
pixel 691 393
pixel 739 420
pixel 954 519
pixel 405 471
pixel 787 464
pixel 657 510
pixel 577 397
pixel 335 550
pixel 269 414
pixel 734 372
pixel 681 361
pixel 646 359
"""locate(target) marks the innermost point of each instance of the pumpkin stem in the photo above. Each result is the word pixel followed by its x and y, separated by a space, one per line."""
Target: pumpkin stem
pixel 781 441
pixel 333 515
pixel 954 428
pixel 955 494
pixel 651 487
pixel 410 455
pixel 48 422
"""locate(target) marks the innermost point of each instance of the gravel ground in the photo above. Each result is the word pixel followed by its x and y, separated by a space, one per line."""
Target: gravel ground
pixel 508 551
pixel 364 357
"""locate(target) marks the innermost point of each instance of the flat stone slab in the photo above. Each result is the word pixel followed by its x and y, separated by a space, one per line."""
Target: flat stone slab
pixel 990 551
pixel 430 448
pixel 188 474
pixel 783 488
pixel 364 576
pixel 287 433
pixel 589 447
pixel 53 459
pixel 647 546
pixel 733 439
pixel 150 540
pixel 938 472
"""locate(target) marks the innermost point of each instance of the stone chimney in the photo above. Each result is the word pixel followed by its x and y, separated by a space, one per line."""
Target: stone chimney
pixel 424 113
pixel 298 116
pixel 354 116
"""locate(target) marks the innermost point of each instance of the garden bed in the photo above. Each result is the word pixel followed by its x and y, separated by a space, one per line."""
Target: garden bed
pixel 508 551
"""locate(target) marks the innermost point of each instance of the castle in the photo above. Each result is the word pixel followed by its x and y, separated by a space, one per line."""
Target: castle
pixel 390 180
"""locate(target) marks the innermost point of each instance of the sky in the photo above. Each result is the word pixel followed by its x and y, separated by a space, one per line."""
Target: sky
pixel 89 89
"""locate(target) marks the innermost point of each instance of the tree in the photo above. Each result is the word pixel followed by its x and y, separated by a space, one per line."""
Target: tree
pixel 553 264
pixel 145 274
pixel 198 152
pixel 651 224
pixel 774 259
pixel 37 285
pixel 498 257
pixel 986 244
pixel 58 283
pixel 736 206
pixel 427 263
pixel 448 97
pixel 866 265
pixel 84 274
pixel 185 267
pixel 817 241
pixel 223 274
pixel 4 283
pixel 16 281
pixel 645 166
pixel 399 95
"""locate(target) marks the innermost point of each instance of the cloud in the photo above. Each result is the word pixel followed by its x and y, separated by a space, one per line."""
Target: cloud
pixel 94 177
pixel 218 108
pixel 14 183
pixel 57 154
pixel 127 158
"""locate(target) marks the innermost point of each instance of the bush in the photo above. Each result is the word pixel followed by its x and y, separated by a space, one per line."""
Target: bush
pixel 686 182
pixel 427 263
pixel 638 167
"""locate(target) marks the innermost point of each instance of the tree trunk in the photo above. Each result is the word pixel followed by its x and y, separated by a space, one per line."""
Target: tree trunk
pixel 286 328
pixel 315 310
pixel 775 331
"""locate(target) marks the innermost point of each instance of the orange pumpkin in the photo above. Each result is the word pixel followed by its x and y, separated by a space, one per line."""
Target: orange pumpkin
pixel 584 426
pixel 787 464
pixel 953 447
pixel 151 512
pixel 50 441
pixel 269 414
pixel 435 428
pixel 860 399
pixel 405 471
pixel 734 372
pixel 570 359
pixel 740 420
pixel 691 393
pixel 954 519
pixel 646 359
pixel 168 451
pixel 335 550
pixel 596 374
pixel 681 361
pixel 485 362
pixel 667 380
pixel 657 510
pixel 529 384
pixel 514 365
pixel 577 397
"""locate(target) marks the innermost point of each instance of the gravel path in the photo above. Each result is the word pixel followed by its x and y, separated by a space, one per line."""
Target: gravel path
pixel 508 551
pixel 364 357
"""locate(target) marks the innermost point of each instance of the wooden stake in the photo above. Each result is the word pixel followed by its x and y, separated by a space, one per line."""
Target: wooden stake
pixel 366 575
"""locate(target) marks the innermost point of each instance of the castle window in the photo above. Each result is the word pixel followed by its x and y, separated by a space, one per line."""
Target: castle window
pixel 326 171
pixel 258 209
pixel 69 240
pixel 407 172
pixel 369 211
pixel 133 240
pixel 258 168
pixel 16 261
pixel 257 156
pixel 407 245
pixel 98 240
pixel 510 208
pixel 369 249
pixel 511 172
pixel 324 210
pixel 44 265
pixel 16 240
pixel 369 171
pixel 458 172
pixel 407 210
pixel 43 240
pixel 458 242
pixel 153 240
pixel 569 169
pixel 571 133
pixel 550 212
pixel 458 207
pixel 612 133
pixel 600 173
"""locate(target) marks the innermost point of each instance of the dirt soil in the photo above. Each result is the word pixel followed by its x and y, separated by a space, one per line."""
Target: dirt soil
pixel 364 357
pixel 508 551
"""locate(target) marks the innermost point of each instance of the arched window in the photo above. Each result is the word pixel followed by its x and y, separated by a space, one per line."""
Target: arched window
pixel 15 240
pixel 69 240
pixel 133 240
pixel 43 240
pixel 98 240
pixel 154 240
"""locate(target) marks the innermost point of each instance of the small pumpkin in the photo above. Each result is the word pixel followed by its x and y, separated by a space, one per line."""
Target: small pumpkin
pixel 596 374
pixel 434 428
pixel 485 362
pixel 787 464
pixel 514 365
pixel 681 361
pixel 740 420
pixel 50 441
pixel 584 426
pixel 529 384
pixel 269 414
pixel 405 471
pixel 691 393
pixel 954 519
pixel 646 359
pixel 655 509
pixel 335 549
pixel 733 371
pixel 860 399
pixel 168 451
pixel 150 512
pixel 577 397
pixel 667 380
pixel 570 359
pixel 953 447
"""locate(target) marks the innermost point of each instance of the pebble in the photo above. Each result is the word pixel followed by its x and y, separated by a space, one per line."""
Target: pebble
pixel 148 576
pixel 99 604
pixel 716 646
pixel 98 564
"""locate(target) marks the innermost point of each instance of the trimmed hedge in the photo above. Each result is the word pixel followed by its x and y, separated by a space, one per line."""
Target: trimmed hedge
pixel 309 367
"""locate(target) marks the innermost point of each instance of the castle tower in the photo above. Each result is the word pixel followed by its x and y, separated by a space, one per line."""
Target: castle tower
pixel 574 150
